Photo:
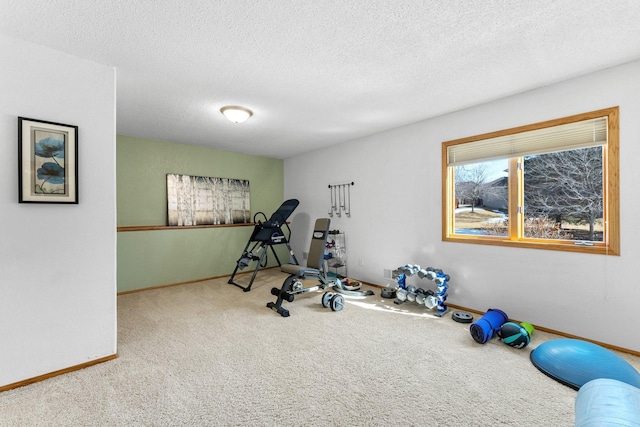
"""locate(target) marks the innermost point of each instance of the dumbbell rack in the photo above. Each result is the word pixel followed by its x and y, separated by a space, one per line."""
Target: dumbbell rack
pixel 336 254
pixel 427 298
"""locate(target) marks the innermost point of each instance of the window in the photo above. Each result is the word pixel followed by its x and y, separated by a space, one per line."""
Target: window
pixel 551 185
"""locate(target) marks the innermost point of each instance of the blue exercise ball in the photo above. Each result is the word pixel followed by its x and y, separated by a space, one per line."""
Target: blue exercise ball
pixel 574 362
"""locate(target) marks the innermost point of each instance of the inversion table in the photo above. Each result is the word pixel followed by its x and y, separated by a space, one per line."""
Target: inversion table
pixel 266 235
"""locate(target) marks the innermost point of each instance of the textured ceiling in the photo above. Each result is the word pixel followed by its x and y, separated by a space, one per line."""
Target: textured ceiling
pixel 322 72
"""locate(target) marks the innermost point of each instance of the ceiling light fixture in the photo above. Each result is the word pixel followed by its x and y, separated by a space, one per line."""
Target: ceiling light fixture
pixel 235 113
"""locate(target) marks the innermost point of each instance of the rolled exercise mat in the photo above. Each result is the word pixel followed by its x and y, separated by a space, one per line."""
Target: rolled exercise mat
pixel 484 328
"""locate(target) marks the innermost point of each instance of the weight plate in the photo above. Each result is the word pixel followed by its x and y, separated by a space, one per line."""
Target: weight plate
pixel 337 302
pixel 388 293
pixel 326 298
pixel 462 317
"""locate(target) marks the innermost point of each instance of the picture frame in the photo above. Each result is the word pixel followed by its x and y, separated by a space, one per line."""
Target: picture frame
pixel 47 162
pixel 203 200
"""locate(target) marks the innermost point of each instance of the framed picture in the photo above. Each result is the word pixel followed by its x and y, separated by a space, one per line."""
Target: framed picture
pixel 203 200
pixel 47 162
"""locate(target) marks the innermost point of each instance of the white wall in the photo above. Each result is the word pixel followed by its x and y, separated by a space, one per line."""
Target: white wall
pixel 57 262
pixel 396 213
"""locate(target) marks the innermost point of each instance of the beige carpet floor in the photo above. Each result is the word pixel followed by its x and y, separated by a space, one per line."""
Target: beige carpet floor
pixel 208 354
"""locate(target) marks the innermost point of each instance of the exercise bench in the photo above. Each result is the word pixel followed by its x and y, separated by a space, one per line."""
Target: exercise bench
pixel 293 284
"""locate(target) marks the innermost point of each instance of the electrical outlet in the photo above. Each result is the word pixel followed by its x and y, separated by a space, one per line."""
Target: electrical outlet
pixel 360 262
pixel 386 273
pixel 305 255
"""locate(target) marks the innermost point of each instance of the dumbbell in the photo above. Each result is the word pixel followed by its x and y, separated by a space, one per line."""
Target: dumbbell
pixel 429 273
pixel 411 293
pixel 410 270
pixel 335 301
pixel 401 296
pixel 441 279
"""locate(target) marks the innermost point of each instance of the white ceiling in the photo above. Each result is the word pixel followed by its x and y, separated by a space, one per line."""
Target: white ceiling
pixel 321 72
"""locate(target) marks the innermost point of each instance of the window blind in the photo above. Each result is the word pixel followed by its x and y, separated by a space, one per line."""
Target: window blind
pixel 570 136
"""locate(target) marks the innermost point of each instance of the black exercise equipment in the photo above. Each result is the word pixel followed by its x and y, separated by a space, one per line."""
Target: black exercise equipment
pixel 333 301
pixel 462 317
pixel 388 292
pixel 314 270
pixel 266 235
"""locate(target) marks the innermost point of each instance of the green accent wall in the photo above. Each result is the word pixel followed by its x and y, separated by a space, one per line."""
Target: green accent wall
pixel 161 257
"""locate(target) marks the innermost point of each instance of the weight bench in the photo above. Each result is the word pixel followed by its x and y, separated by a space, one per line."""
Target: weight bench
pixel 265 235
pixel 293 284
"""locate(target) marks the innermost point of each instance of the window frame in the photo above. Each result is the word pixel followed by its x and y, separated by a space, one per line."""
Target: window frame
pixel 611 192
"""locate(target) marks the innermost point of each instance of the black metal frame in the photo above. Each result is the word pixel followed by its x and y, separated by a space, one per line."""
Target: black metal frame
pixel 293 286
pixel 265 235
